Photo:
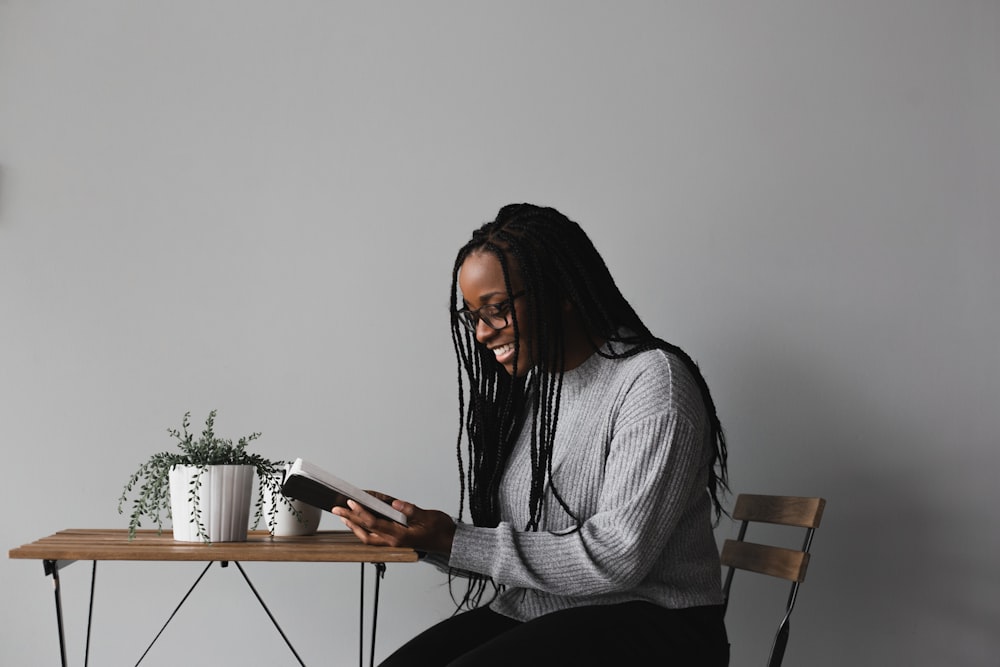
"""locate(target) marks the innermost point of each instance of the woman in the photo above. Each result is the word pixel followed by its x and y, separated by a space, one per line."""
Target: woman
pixel 594 462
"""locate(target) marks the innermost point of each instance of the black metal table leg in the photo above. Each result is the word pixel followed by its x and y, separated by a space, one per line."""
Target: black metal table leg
pixel 361 620
pixel 174 613
pixel 379 574
pixel 274 621
pixel 52 568
pixel 90 613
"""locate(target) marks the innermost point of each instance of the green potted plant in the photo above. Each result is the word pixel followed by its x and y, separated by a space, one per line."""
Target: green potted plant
pixel 187 483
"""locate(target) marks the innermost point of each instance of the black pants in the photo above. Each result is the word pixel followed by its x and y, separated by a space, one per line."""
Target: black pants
pixel 632 633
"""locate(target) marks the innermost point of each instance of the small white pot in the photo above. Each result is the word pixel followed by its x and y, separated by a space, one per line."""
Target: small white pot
pixel 224 502
pixel 286 524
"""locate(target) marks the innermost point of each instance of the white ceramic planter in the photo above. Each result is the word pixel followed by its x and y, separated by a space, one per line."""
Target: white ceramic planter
pixel 224 500
pixel 286 524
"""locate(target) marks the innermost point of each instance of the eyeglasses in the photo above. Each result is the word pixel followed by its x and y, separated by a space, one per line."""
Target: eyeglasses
pixel 495 315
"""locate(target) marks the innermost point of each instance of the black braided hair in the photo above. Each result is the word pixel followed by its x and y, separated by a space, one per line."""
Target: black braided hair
pixel 557 262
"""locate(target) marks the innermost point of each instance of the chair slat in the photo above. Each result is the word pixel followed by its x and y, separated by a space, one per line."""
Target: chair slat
pixel 783 510
pixel 774 561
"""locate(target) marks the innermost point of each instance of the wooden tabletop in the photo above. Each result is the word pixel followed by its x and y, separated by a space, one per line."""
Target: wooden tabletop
pixel 113 544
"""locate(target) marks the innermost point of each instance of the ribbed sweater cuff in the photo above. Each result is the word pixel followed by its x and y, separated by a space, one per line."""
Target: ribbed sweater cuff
pixel 473 549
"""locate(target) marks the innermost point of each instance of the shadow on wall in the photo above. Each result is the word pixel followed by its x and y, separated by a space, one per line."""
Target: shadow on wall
pixel 901 570
pixel 900 580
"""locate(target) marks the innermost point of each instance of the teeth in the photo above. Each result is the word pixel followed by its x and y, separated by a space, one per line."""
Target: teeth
pixel 503 349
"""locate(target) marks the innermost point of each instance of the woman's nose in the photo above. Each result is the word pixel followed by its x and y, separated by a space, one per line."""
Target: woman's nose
pixel 483 331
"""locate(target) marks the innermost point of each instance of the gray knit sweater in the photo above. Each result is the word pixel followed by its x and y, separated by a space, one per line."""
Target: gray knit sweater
pixel 631 460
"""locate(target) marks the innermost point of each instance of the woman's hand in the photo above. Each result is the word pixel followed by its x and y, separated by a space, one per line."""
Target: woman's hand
pixel 426 530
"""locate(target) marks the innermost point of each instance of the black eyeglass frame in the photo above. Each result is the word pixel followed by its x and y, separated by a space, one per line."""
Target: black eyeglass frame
pixel 501 310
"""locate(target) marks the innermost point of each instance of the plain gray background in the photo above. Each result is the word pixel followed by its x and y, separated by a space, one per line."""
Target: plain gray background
pixel 254 206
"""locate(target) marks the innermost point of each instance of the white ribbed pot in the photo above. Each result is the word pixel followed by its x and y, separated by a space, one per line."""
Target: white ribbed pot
pixel 282 521
pixel 224 498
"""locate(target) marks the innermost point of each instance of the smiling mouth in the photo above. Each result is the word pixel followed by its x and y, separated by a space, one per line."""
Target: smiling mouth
pixel 503 350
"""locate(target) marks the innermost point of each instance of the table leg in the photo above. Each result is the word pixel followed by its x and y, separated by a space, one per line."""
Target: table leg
pixel 52 568
pixel 274 621
pixel 90 613
pixel 174 613
pixel 361 620
pixel 379 575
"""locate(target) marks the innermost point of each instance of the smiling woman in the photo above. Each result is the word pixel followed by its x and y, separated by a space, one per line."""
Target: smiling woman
pixel 593 462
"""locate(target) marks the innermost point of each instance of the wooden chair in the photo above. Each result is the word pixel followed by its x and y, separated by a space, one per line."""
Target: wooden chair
pixel 789 564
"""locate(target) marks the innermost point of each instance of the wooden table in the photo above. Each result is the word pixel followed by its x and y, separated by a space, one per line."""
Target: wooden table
pixel 67 546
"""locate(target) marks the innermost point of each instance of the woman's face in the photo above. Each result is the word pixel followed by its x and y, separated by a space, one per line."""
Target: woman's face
pixel 482 284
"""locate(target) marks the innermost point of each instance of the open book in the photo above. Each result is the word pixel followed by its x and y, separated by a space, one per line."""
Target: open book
pixel 311 484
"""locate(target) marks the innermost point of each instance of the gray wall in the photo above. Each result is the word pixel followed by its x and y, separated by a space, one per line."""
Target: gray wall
pixel 254 206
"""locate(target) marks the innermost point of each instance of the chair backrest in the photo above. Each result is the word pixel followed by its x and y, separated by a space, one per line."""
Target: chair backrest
pixel 789 564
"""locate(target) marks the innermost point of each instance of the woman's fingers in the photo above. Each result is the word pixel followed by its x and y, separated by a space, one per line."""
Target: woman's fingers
pixel 368 527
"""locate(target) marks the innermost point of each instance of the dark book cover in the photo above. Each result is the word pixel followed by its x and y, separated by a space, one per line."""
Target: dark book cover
pixel 315 493
pixel 317 487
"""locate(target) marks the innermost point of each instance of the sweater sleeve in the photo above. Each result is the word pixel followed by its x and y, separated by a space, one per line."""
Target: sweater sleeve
pixel 654 463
